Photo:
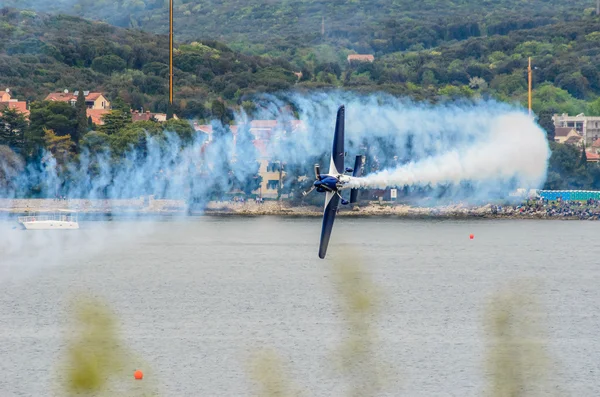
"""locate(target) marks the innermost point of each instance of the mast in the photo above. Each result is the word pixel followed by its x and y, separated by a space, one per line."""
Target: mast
pixel 529 90
pixel 170 112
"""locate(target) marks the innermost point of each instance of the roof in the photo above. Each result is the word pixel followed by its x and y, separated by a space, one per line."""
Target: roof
pixel 92 96
pixel 592 156
pixel 596 143
pixel 361 57
pixel 69 96
pixel 562 131
pixel 20 106
pixel 263 123
pixel 207 129
pixel 96 115
pixel 573 139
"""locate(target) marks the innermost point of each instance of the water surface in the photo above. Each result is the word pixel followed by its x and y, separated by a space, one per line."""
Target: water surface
pixel 195 298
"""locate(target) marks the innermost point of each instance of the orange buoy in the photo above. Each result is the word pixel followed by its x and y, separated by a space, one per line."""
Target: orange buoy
pixel 471 236
pixel 138 374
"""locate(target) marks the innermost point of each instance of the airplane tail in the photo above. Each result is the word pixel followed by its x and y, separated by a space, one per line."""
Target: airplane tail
pixel 358 168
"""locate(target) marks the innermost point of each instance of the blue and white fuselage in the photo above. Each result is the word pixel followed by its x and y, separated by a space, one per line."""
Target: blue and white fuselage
pixel 332 183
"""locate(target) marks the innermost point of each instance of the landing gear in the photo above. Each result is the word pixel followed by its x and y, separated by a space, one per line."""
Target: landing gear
pixel 344 202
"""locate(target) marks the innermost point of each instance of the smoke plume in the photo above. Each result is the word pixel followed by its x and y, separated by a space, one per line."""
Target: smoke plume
pixel 512 151
pixel 471 150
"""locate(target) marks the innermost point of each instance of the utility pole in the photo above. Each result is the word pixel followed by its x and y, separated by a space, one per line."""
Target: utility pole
pixel 170 110
pixel 529 78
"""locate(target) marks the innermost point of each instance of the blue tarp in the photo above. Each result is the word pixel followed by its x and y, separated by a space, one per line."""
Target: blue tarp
pixel 569 194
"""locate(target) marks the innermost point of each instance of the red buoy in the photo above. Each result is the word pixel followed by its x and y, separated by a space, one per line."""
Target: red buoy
pixel 138 374
pixel 471 236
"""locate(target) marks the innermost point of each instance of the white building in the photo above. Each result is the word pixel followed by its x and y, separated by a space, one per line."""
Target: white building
pixel 587 126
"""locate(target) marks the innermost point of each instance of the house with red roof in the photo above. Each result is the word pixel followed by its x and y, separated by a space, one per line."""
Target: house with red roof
pixel 93 100
pixel 97 115
pixel 7 102
pixel 592 157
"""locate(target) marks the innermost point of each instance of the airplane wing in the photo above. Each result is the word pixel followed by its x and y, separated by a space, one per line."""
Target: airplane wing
pixel 331 204
pixel 336 166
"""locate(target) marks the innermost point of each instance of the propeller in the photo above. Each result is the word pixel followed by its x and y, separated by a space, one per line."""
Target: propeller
pixel 318 178
pixel 308 191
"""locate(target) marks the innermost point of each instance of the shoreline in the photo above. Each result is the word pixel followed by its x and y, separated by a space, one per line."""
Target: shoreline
pixel 148 208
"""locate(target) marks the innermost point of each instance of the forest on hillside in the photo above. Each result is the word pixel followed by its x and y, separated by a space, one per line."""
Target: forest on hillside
pixel 351 24
pixel 443 59
pixel 40 53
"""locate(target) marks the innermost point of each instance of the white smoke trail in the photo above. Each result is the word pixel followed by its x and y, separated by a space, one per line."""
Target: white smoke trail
pixel 494 147
pixel 513 149
pixel 471 151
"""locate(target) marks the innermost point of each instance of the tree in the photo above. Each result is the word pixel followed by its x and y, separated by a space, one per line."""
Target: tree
pixel 119 104
pixel 109 64
pixel 95 142
pixel 545 121
pixel 59 117
pixel 59 146
pixel 11 165
pixel 82 120
pixel 114 121
pixel 594 108
pixel 13 126
pixel 219 112
pixel 583 160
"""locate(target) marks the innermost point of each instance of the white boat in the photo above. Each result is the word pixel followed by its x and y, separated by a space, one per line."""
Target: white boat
pixel 62 219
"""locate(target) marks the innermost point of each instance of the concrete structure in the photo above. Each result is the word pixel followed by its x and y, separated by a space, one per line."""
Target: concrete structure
pixel 93 100
pixel 587 126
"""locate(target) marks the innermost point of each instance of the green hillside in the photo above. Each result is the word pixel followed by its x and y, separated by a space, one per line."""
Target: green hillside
pixel 41 53
pixel 354 24
pixel 482 55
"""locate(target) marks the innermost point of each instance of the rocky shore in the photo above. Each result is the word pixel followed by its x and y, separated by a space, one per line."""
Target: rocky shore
pixel 148 206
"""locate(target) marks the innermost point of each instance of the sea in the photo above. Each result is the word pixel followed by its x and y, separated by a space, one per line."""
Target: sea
pixel 236 306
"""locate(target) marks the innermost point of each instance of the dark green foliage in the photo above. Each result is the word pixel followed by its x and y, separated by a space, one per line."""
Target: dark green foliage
pixel 108 64
pixel 115 121
pixel 82 120
pixel 568 169
pixel 59 117
pixel 13 127
pixel 545 121
pixel 126 63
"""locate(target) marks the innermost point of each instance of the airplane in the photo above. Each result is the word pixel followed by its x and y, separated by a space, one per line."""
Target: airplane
pixel 335 181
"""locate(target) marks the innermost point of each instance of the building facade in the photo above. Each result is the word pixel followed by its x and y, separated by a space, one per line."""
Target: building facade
pixel 587 126
pixel 93 100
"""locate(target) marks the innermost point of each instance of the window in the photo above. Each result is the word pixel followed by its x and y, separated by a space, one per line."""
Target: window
pixel 273 167
pixel 272 184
